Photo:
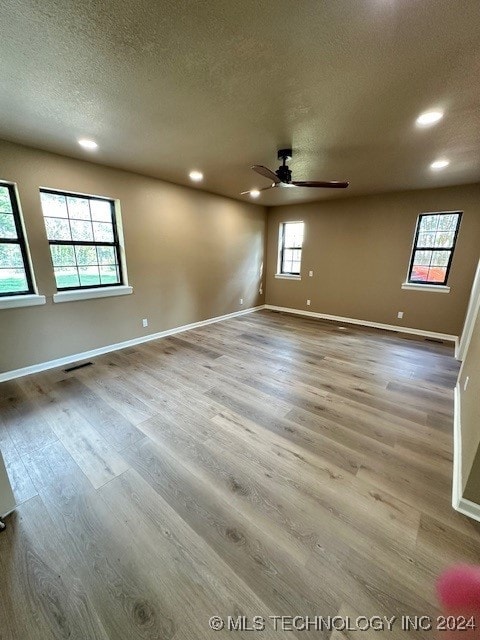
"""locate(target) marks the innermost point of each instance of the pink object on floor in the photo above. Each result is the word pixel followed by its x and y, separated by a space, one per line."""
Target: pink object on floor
pixel 459 588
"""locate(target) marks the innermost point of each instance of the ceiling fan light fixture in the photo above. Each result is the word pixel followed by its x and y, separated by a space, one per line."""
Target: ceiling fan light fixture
pixel 429 118
pixel 439 164
pixel 91 145
pixel 196 176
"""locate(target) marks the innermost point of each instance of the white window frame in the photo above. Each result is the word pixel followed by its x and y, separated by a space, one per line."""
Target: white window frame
pixel 279 274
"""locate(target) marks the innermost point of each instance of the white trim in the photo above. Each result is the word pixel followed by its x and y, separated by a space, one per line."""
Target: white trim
pixel 471 316
pixel 457 487
pixel 285 276
pixel 31 300
pixel 59 362
pixel 86 294
pixel 437 288
pixel 4 515
pixel 459 503
pixel 367 323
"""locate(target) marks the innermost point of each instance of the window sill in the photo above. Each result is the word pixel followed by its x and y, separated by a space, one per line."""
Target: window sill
pixel 30 300
pixel 426 287
pixel 86 294
pixel 285 276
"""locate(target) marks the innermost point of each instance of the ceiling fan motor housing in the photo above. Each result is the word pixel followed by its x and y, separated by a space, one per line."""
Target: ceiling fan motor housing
pixel 283 172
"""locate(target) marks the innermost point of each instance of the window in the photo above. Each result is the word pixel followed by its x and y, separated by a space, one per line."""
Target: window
pixel 83 238
pixel 15 274
pixel 290 255
pixel 432 253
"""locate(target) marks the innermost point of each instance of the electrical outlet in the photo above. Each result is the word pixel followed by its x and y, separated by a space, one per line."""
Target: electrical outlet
pixel 400 314
pixel 310 273
pixel 241 300
pixel 145 322
pixel 308 303
pixel 465 384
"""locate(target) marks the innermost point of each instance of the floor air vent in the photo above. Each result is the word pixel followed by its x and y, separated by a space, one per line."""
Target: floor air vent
pixel 78 366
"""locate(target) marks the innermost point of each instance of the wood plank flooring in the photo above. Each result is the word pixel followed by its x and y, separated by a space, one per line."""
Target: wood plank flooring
pixel 269 465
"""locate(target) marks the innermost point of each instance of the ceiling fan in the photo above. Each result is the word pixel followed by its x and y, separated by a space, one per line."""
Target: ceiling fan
pixel 282 177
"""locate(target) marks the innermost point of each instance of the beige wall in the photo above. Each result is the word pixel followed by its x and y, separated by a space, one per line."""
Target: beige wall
pixel 190 256
pixel 359 249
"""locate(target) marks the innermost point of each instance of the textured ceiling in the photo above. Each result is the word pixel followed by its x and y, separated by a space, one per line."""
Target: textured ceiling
pixel 170 85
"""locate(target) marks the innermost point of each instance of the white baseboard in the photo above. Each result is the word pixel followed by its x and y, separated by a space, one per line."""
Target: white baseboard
pixel 468 508
pixel 367 323
pixel 76 357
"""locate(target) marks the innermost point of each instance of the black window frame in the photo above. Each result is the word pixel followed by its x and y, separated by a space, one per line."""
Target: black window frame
pixel 451 249
pixel 89 243
pixel 283 248
pixel 20 240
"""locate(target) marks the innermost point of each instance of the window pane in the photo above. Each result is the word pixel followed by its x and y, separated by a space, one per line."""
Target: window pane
pixel 419 273
pixel 103 232
pixel 62 255
pixel 86 256
pixel 444 239
pixel 109 275
pixel 429 223
pixel 422 257
pixel 101 210
pixel 437 274
pixel 78 208
pixel 10 256
pixel 5 204
pixel 81 230
pixel 89 276
pixel 7 226
pixel 53 205
pixel 287 255
pixel 66 277
pixel 293 234
pixel 13 281
pixel 447 222
pixel 106 255
pixel 296 255
pixel 440 258
pixel 426 240
pixel 57 229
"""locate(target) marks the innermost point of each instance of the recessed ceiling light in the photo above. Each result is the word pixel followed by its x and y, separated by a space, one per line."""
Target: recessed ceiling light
pixel 87 144
pixel 428 118
pixel 439 164
pixel 254 193
pixel 196 176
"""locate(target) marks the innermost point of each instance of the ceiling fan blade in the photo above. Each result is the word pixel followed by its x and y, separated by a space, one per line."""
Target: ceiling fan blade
pixel 266 173
pixel 244 193
pixel 328 184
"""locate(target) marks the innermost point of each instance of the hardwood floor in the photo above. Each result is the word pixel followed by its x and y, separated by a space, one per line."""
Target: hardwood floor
pixel 268 465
